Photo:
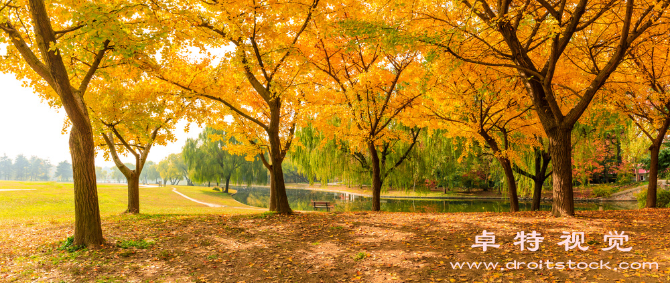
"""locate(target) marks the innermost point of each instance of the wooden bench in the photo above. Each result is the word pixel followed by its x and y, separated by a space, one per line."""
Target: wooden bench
pixel 322 204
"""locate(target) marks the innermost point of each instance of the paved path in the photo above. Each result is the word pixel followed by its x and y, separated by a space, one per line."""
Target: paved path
pixel 195 200
pixel 630 193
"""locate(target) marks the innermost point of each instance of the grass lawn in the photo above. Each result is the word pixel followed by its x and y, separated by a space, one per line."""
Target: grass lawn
pixel 177 240
pixel 54 202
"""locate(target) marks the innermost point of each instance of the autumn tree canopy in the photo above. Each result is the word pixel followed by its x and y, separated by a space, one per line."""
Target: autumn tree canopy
pixel 58 50
pixel 547 43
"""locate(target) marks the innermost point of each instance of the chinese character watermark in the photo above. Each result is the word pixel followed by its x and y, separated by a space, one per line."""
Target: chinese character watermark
pixel 533 240
pixel 616 240
pixel 573 240
pixel 487 239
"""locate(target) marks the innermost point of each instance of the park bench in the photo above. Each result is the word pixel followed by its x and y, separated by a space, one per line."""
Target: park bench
pixel 322 204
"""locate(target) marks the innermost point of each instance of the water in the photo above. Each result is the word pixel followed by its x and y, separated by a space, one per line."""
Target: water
pixel 300 199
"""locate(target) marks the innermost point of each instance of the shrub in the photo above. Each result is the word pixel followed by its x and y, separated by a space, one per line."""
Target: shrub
pixel 624 178
pixel 603 191
pixel 662 198
pixel 216 189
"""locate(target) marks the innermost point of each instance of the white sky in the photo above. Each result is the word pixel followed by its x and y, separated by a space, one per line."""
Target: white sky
pixel 30 127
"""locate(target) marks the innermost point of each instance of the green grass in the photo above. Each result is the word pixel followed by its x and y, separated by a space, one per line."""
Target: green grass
pixel 54 202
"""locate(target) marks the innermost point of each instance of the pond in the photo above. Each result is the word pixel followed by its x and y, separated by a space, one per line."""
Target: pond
pixel 300 199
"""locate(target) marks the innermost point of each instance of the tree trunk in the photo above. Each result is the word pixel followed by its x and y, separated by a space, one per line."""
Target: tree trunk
pixel 227 182
pixel 278 199
pixel 88 230
pixel 653 176
pixel 537 192
pixel 542 159
pixel 273 192
pixel 376 177
pixel 511 184
pixel 133 193
pixel 278 190
pixel 560 148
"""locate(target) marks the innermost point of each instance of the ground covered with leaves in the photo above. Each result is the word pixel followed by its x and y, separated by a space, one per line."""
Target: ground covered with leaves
pixel 334 247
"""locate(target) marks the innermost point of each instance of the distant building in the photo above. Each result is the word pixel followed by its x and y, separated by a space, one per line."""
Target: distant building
pixel 641 175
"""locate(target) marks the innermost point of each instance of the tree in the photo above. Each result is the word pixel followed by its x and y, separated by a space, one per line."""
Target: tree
pixel 547 44
pixel 100 173
pixel 64 171
pixel 482 104
pixel 171 168
pixel 59 49
pixel 633 150
pixel 38 169
pixel 541 161
pixel 259 83
pixel 208 159
pixel 6 167
pixel 369 88
pixel 21 167
pixel 150 172
pixel 117 175
pixel 137 114
pixel 645 98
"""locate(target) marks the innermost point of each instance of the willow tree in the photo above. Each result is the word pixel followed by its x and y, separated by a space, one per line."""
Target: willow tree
pixel 207 158
pixel 540 173
pixel 172 169
pixel 482 104
pixel 645 97
pixel 58 50
pixel 259 82
pixel 369 86
pixel 549 44
pixel 130 116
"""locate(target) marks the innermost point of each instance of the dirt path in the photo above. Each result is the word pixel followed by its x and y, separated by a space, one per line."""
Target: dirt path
pixel 630 193
pixel 195 200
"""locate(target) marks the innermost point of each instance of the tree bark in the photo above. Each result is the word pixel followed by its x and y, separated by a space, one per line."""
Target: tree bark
pixel 537 194
pixel 542 159
pixel 376 177
pixel 133 193
pixel 87 230
pixel 511 184
pixel 278 199
pixel 278 190
pixel 653 176
pixel 560 148
pixel 227 182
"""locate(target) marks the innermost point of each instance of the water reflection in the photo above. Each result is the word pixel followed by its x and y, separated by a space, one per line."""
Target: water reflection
pixel 300 199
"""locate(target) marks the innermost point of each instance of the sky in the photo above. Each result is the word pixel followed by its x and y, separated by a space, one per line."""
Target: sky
pixel 29 126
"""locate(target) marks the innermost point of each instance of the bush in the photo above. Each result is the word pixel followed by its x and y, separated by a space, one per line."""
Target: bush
pixel 604 191
pixel 662 198
pixel 624 179
pixel 216 189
